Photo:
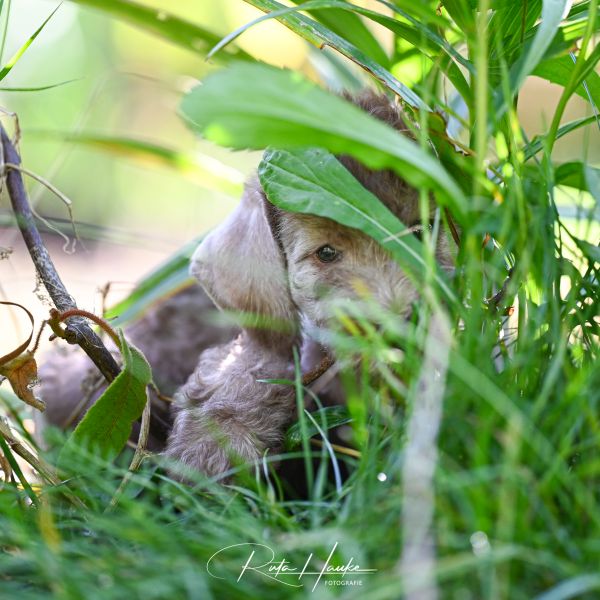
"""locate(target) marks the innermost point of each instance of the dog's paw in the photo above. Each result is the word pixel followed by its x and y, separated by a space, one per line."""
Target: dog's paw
pixel 207 444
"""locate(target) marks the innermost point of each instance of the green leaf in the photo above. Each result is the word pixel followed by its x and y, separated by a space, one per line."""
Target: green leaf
pixel 321 36
pixel 6 69
pixel 313 181
pixel 40 88
pixel 420 12
pixel 462 14
pixel 512 22
pixel 107 425
pixel 559 71
pixel 578 175
pixel 327 418
pixel 590 251
pixel 425 40
pixel 552 11
pixel 255 106
pixel 592 179
pixel 168 278
pixel 159 22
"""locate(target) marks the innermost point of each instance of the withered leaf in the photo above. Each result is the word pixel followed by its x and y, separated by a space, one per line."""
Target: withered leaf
pixel 22 375
pixel 20 368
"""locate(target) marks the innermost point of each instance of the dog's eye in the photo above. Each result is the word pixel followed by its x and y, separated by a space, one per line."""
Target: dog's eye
pixel 417 230
pixel 327 253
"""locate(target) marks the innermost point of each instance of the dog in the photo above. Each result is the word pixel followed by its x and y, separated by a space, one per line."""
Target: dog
pixel 286 269
pixel 289 269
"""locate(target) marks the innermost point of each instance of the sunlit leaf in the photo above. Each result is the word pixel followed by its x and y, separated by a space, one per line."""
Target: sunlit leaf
pixel 255 106
pixel 320 36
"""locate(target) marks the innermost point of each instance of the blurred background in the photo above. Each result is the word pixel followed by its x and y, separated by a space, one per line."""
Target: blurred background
pixel 111 140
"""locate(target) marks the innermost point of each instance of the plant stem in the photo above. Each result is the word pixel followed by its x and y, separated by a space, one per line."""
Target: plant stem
pixel 78 331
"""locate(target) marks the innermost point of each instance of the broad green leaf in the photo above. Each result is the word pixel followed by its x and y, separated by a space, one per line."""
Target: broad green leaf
pixel 255 106
pixel 159 22
pixel 559 70
pixel 327 418
pixel 578 175
pixel 6 69
pixel 321 36
pixel 590 251
pixel 164 281
pixel 313 181
pixel 421 37
pixel 107 425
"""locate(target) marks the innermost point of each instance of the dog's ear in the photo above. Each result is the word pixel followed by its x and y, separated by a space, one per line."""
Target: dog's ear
pixel 241 266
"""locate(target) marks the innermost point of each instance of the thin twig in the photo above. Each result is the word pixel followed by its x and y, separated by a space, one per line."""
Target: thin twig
pixel 319 370
pixel 495 301
pixel 78 331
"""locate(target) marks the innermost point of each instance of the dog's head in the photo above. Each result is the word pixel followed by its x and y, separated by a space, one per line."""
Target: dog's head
pixel 294 267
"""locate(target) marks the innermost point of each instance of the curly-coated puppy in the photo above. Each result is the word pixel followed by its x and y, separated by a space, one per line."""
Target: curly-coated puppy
pixel 289 269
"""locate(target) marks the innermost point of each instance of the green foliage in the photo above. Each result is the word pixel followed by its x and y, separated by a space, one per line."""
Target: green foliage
pixel 254 106
pixel 325 419
pixel 106 426
pixel 7 68
pixel 319 35
pixel 515 465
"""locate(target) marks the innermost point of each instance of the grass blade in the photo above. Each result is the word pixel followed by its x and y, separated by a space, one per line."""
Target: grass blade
pixel 171 28
pixel 320 36
pixel 7 68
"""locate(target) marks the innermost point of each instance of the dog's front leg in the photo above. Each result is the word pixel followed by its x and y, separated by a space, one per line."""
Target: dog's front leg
pixel 225 414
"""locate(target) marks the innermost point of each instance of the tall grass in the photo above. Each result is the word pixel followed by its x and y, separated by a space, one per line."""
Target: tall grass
pixel 472 452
